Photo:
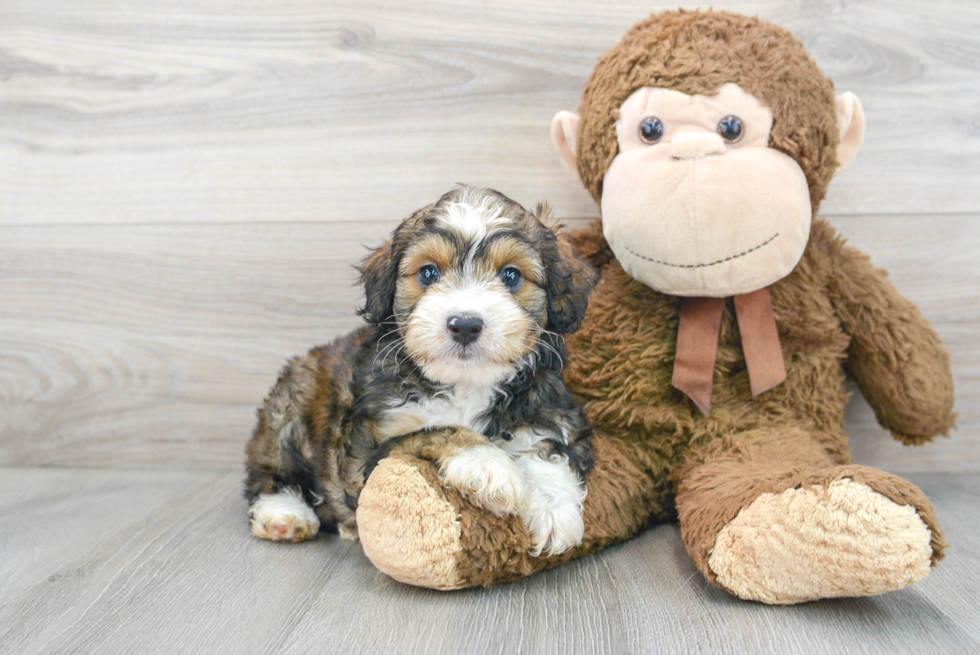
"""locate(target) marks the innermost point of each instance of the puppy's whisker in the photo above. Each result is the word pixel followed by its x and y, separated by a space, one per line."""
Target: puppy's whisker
pixel 380 352
pixel 559 337
pixel 547 346
pixel 384 352
pixel 388 352
pixel 394 353
pixel 542 331
pixel 398 365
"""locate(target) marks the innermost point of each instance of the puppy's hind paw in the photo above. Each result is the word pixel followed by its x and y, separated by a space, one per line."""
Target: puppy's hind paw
pixel 348 529
pixel 283 516
pixel 487 476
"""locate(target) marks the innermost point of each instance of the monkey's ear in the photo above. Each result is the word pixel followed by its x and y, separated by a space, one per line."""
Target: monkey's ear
pixel 564 134
pixel 850 122
pixel 379 275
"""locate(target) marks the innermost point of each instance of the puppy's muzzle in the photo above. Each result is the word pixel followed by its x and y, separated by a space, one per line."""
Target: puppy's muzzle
pixel 465 329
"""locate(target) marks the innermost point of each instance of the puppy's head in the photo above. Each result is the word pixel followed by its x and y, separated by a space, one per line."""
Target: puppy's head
pixel 474 284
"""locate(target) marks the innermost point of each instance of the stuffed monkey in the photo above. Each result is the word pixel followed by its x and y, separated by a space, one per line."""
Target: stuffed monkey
pixel 713 358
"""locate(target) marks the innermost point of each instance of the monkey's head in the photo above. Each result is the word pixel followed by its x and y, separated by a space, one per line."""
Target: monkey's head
pixel 708 139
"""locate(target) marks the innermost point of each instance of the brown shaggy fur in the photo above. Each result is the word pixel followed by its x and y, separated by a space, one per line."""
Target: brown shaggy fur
pixel 657 458
pixel 695 53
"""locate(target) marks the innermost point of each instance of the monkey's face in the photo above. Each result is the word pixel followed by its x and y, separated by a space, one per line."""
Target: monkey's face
pixel 696 203
pixel 708 138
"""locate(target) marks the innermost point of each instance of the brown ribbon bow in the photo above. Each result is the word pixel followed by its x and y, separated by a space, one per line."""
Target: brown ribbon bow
pixel 697 345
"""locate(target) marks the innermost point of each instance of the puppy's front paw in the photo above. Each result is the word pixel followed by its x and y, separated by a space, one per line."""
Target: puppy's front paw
pixel 553 507
pixel 487 476
pixel 284 516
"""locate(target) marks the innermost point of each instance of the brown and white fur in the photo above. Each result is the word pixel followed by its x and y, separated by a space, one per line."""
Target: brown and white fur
pixel 460 363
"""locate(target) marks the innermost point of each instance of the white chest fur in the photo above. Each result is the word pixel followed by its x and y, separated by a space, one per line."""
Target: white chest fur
pixel 463 406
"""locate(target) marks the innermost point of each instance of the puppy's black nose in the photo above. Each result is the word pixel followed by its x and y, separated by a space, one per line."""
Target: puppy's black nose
pixel 465 329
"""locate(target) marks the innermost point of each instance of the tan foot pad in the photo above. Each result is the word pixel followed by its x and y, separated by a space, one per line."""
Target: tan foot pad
pixel 407 529
pixel 805 544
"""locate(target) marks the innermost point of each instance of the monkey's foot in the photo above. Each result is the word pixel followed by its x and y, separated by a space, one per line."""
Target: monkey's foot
pixel 420 531
pixel 408 529
pixel 838 538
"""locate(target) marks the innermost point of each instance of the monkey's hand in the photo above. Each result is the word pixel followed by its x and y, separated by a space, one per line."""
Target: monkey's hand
pixel 895 356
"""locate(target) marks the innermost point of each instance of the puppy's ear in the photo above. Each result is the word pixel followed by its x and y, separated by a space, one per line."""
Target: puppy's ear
pixel 570 278
pixel 379 272
pixel 379 275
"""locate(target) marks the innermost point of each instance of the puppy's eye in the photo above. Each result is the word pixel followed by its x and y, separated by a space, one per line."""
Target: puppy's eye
pixel 730 128
pixel 511 277
pixel 429 274
pixel 651 130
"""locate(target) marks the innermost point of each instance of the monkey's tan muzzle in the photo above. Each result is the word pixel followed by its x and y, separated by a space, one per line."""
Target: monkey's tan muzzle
pixel 694 145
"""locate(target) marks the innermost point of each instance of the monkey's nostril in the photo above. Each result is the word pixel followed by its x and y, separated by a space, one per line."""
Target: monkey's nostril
pixel 465 329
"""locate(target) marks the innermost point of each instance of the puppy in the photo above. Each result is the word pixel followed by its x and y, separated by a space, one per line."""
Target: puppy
pixel 460 363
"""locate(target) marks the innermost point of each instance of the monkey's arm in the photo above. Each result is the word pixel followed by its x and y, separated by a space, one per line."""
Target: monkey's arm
pixel 895 356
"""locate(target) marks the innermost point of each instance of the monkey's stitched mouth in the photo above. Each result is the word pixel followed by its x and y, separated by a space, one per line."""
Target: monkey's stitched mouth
pixel 720 261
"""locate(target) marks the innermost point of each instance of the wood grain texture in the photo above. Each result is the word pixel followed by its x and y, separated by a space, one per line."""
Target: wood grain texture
pixel 271 110
pixel 161 561
pixel 183 188
pixel 152 345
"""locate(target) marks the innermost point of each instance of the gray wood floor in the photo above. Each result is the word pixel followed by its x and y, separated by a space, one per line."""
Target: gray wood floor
pixel 102 561
pixel 184 186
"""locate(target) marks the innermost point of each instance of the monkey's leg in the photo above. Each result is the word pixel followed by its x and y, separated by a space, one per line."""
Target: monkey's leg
pixel 771 515
pixel 421 532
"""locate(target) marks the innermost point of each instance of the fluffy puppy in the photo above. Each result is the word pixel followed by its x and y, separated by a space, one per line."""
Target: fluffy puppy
pixel 460 363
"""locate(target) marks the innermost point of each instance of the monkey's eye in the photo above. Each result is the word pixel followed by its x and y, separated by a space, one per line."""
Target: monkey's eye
pixel 511 277
pixel 730 128
pixel 651 130
pixel 429 274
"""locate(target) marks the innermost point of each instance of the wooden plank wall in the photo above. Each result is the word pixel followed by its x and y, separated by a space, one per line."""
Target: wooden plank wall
pixel 184 186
